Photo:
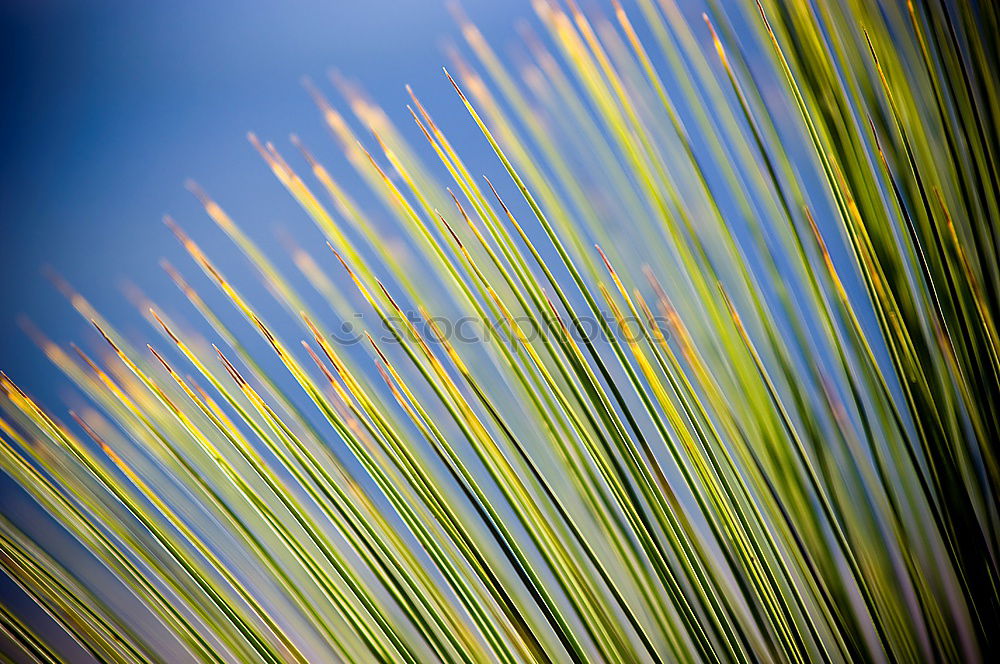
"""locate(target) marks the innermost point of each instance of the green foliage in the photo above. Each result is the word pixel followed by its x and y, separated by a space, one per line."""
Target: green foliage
pixel 760 425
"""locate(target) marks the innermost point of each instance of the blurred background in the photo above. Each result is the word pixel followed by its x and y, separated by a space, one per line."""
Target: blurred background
pixel 109 105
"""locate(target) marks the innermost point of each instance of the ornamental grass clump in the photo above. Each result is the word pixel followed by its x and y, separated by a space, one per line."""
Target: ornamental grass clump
pixel 705 369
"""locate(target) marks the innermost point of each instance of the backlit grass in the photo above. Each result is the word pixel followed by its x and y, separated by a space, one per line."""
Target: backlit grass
pixel 705 369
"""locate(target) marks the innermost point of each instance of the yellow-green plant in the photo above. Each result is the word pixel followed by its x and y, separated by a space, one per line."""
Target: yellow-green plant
pixel 758 422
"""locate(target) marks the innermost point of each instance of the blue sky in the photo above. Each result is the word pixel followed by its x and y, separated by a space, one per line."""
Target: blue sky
pixel 110 105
